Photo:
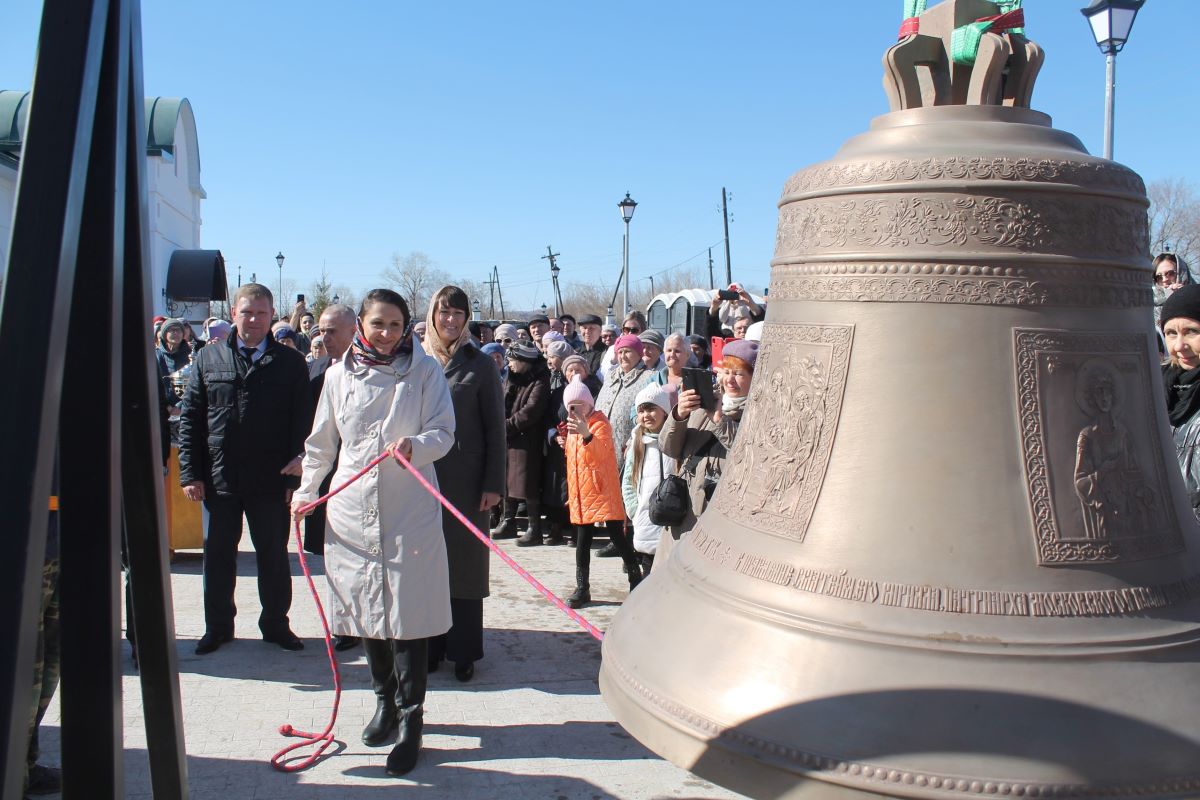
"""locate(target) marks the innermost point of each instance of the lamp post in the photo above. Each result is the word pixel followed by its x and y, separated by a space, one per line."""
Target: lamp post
pixel 475 311
pixel 1111 22
pixel 336 299
pixel 279 261
pixel 544 309
pixel 627 206
pixel 557 295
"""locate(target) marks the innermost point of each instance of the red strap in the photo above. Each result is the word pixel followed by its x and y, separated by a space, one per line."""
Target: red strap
pixel 1004 22
pixel 909 27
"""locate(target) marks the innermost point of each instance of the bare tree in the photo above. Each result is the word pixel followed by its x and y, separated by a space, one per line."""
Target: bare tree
pixel 1174 218
pixel 416 278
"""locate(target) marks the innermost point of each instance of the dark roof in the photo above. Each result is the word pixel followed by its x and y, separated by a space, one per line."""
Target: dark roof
pixel 194 275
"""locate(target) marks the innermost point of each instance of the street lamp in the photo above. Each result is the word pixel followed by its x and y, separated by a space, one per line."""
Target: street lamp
pixel 627 206
pixel 475 311
pixel 336 299
pixel 1111 22
pixel 279 261
pixel 544 309
pixel 557 294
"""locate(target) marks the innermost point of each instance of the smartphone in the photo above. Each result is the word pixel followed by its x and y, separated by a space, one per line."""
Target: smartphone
pixel 299 298
pixel 727 294
pixel 700 381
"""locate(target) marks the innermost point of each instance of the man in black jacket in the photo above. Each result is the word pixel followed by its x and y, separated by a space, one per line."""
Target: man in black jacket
pixel 245 416
pixel 593 349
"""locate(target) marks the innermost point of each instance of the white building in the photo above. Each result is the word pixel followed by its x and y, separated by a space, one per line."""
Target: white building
pixel 184 277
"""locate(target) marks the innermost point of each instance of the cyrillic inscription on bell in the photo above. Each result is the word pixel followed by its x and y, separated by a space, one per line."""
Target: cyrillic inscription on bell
pixel 950 553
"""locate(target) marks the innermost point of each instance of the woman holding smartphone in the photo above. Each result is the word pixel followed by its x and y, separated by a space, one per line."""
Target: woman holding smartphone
pixel 699 439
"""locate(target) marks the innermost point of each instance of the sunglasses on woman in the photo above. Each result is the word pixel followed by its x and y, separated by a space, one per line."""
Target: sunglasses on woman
pixel 1166 277
pixel 634 329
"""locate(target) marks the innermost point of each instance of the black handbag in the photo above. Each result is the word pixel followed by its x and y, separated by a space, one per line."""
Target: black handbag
pixel 670 502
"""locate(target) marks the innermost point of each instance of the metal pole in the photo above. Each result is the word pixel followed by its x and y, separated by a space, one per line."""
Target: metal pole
pixel 712 283
pixel 280 301
pixel 625 270
pixel 725 213
pixel 1109 103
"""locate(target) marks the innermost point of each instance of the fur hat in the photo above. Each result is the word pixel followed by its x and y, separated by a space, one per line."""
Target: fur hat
pixel 653 393
pixel 576 392
pixel 630 341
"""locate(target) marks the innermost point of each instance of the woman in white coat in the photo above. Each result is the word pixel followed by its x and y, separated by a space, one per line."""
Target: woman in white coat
pixel 385 556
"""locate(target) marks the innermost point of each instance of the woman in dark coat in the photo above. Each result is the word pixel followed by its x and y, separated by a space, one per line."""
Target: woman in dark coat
pixel 526 396
pixel 554 466
pixel 471 475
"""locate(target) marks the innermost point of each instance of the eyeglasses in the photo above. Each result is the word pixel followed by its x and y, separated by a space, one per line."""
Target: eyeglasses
pixel 506 340
pixel 631 329
pixel 1163 277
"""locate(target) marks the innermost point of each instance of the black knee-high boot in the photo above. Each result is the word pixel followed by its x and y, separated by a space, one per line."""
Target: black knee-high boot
pixel 381 662
pixel 411 667
pixel 583 564
pixel 633 567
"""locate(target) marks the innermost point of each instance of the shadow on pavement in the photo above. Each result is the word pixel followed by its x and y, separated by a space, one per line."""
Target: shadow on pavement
pixel 549 661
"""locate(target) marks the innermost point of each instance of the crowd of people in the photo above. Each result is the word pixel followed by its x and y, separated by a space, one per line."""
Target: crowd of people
pixel 551 431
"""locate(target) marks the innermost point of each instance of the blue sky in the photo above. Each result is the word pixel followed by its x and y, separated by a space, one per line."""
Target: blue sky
pixel 480 132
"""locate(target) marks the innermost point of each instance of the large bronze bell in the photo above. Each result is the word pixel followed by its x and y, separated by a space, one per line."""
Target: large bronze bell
pixel 951 554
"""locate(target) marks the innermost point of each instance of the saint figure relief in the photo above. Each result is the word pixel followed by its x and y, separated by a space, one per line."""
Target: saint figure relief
pixel 1114 496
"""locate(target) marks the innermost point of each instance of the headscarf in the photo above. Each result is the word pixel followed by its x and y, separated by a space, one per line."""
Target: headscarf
pixel 433 340
pixel 362 350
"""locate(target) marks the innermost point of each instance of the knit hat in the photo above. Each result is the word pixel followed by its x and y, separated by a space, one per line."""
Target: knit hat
pixel 1184 302
pixel 653 393
pixel 741 349
pixel 282 332
pixel 524 351
pixel 506 331
pixel 576 392
pixel 492 347
pixel 559 349
pixel 169 324
pixel 653 337
pixel 575 359
pixel 606 328
pixel 218 330
pixel 630 341
pixel 552 336
pixel 696 338
pixel 754 332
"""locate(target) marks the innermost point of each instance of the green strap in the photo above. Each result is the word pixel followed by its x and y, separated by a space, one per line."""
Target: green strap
pixel 964 42
pixel 914 8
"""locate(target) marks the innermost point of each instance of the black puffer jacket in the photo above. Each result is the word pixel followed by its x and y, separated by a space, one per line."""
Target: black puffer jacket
pixel 241 424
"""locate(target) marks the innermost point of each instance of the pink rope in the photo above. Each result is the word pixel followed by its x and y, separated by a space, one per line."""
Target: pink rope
pixel 325 738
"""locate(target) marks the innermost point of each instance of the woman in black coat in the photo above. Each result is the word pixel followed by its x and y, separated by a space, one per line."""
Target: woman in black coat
pixel 526 397
pixel 471 475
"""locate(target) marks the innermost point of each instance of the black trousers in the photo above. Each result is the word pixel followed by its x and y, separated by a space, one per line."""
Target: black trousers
pixel 268 519
pixel 615 528
pixel 464 641
pixel 314 523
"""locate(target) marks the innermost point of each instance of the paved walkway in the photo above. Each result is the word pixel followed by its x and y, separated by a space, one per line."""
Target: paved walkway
pixel 531 724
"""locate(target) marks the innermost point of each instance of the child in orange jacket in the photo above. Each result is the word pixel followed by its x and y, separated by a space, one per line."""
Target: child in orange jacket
pixel 593 487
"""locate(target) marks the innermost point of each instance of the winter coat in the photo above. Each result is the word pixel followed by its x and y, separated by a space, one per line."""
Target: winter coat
pixel 1187 443
pixel 169 363
pixel 474 465
pixel 593 481
pixel 616 401
pixel 654 467
pixel 682 440
pixel 554 468
pixel 240 424
pixel 594 355
pixel 385 554
pixel 525 399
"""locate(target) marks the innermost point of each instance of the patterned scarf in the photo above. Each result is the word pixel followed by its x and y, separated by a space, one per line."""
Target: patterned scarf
pixel 365 353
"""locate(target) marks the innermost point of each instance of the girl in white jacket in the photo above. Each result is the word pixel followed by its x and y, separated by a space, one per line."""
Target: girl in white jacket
pixel 645 467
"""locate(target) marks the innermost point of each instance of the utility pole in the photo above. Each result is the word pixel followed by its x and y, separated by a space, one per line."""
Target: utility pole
pixel 725 212
pixel 492 294
pixel 712 283
pixel 551 255
pixel 499 291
